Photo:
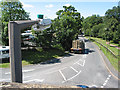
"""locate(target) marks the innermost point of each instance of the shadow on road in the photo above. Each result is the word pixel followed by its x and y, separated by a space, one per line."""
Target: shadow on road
pixel 55 60
pixel 51 61
pixel 87 51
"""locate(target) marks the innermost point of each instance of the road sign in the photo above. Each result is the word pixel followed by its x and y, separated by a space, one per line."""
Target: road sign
pixel 40 16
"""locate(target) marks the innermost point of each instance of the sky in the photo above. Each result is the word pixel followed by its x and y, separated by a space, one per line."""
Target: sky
pixel 49 7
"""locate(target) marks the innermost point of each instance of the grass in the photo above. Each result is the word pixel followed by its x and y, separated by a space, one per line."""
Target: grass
pixel 114 61
pixel 35 56
pixel 40 55
pixel 113 49
pixel 7 65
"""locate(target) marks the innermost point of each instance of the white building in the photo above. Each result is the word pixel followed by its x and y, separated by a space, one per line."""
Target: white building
pixel 44 24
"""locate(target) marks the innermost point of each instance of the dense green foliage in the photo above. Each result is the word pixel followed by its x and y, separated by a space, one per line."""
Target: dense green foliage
pixel 66 26
pixel 10 11
pixel 43 38
pixel 106 27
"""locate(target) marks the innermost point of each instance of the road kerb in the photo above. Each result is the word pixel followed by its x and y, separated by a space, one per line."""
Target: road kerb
pixel 105 63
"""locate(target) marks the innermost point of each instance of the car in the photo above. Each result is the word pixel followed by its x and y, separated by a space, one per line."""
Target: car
pixel 82 86
pixel 4 54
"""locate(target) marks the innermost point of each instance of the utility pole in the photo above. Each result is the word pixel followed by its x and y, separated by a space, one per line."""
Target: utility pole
pixel 14 28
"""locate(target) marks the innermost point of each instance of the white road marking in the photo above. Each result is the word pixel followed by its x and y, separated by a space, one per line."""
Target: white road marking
pixel 72 77
pixel 1 80
pixel 63 68
pixel 7 73
pixel 23 71
pixel 92 86
pixel 106 81
pixel 74 69
pixel 34 80
pixel 62 75
pixel 28 70
pixel 84 56
pixel 83 63
pixel 109 75
pixel 26 77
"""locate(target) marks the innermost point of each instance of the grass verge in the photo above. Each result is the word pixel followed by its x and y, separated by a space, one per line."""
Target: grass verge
pixel 35 56
pixel 113 49
pixel 7 65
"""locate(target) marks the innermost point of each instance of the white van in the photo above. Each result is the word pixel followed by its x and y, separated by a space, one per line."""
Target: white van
pixel 4 52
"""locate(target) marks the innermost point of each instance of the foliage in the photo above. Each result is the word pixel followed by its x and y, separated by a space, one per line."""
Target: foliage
pixel 11 11
pixel 35 56
pixel 89 22
pixel 106 27
pixel 4 33
pixel 67 26
pixel 43 38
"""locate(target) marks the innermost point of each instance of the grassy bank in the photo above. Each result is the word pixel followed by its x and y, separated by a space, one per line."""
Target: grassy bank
pixel 35 56
pixel 113 49
pixel 7 65
pixel 112 59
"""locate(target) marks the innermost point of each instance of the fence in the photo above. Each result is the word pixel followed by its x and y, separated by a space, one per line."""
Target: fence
pixel 106 48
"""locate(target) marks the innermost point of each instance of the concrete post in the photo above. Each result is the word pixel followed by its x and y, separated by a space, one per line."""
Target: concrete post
pixel 15 52
pixel 15 47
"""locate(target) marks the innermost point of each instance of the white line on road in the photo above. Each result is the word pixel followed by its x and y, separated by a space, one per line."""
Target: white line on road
pixel 7 73
pixel 106 81
pixel 74 69
pixel 1 80
pixel 28 70
pixel 26 77
pixel 62 75
pixel 72 77
pixel 23 71
pixel 83 63
pixel 84 56
pixel 34 80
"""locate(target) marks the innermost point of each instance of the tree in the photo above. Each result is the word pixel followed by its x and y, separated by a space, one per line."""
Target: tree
pixel 91 21
pixel 113 13
pixel 112 17
pixel 43 38
pixel 66 26
pixel 11 11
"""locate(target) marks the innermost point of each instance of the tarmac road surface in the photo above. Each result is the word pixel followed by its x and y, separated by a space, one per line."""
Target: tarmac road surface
pixel 74 69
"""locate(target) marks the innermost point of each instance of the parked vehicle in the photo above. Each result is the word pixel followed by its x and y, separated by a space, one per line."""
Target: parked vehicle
pixel 78 46
pixel 27 35
pixel 4 53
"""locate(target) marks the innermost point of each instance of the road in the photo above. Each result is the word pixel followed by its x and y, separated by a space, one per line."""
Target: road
pixel 74 69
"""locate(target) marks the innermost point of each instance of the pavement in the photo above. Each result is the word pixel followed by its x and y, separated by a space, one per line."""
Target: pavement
pixel 71 70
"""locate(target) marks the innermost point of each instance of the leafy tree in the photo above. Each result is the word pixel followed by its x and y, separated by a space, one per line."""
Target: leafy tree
pixel 43 38
pixel 112 17
pixel 11 11
pixel 113 13
pixel 66 26
pixel 89 22
pixel 4 33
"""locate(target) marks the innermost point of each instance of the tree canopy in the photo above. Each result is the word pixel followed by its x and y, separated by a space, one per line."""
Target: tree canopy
pixel 10 11
pixel 67 26
pixel 106 27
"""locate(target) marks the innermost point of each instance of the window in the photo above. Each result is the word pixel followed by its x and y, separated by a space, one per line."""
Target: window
pixel 5 52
